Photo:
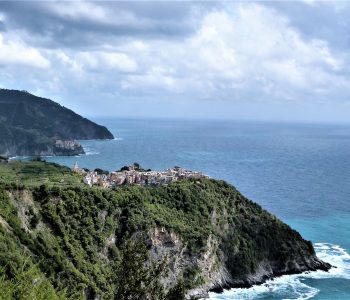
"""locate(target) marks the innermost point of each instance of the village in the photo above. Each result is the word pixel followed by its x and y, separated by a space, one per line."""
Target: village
pixel 134 175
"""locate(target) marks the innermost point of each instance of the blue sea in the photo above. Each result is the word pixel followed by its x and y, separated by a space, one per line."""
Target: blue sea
pixel 299 172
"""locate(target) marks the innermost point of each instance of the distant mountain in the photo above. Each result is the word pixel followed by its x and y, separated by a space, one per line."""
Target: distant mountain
pixel 31 125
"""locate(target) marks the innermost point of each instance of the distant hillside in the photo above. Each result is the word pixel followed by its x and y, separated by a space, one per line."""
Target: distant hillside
pixel 31 125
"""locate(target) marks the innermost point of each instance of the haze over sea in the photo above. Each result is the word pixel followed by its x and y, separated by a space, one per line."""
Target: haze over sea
pixel 300 172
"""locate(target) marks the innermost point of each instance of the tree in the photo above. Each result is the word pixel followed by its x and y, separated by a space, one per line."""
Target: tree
pixel 37 158
pixel 100 171
pixel 138 278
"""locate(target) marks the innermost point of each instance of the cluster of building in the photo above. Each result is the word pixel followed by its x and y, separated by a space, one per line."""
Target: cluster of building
pixel 132 176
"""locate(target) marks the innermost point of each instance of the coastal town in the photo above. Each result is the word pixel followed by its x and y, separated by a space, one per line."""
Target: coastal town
pixel 134 175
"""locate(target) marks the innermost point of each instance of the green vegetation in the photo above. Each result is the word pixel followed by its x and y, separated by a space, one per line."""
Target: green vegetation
pixel 29 125
pixel 100 171
pixel 20 174
pixel 137 280
pixel 20 278
pixel 27 283
pixel 136 166
pixel 86 241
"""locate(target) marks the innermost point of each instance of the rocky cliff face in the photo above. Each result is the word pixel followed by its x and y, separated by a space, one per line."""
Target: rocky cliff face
pixel 27 147
pixel 31 125
pixel 66 148
pixel 212 271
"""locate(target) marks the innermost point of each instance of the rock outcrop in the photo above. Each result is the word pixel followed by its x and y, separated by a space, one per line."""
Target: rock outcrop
pixel 213 273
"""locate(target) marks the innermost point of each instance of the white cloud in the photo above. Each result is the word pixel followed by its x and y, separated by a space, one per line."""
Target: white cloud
pixel 79 9
pixel 309 2
pixel 157 76
pixel 245 48
pixel 97 61
pixel 15 52
pixel 240 51
pixel 118 61
pixel 255 41
pixel 90 11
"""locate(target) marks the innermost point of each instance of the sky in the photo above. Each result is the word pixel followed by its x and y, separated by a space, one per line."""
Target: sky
pixel 263 60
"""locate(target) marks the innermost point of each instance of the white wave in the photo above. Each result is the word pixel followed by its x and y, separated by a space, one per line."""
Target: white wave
pixel 293 286
pixel 91 152
pixel 19 157
pixel 118 139
pixel 336 256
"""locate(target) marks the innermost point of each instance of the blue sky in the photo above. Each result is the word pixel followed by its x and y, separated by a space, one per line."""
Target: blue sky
pixel 264 60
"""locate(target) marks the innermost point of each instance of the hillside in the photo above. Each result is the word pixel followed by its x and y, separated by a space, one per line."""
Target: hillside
pixel 30 125
pixel 82 243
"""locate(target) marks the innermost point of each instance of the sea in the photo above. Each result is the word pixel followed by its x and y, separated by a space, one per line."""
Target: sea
pixel 299 172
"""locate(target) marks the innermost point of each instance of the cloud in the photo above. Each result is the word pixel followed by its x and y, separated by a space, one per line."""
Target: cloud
pixel 14 52
pixel 179 52
pixel 324 20
pixel 106 61
pixel 80 10
pixel 54 24
pixel 233 52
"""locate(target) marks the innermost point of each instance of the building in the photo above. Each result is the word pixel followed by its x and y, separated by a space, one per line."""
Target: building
pixel 78 170
pixel 131 176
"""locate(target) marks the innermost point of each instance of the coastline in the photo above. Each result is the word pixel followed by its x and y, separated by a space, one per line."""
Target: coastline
pixel 260 278
pixel 295 286
pixel 28 156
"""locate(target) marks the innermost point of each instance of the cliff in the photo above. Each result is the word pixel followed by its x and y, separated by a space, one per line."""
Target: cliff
pixel 31 125
pixel 171 242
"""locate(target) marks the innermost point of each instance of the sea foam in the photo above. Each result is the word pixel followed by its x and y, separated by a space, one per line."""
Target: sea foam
pixel 294 286
pixel 90 152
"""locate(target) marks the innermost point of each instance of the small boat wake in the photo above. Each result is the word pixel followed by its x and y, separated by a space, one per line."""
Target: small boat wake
pixel 294 286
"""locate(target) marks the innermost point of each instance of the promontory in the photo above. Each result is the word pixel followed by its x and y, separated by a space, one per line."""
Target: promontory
pixel 62 239
pixel 31 125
